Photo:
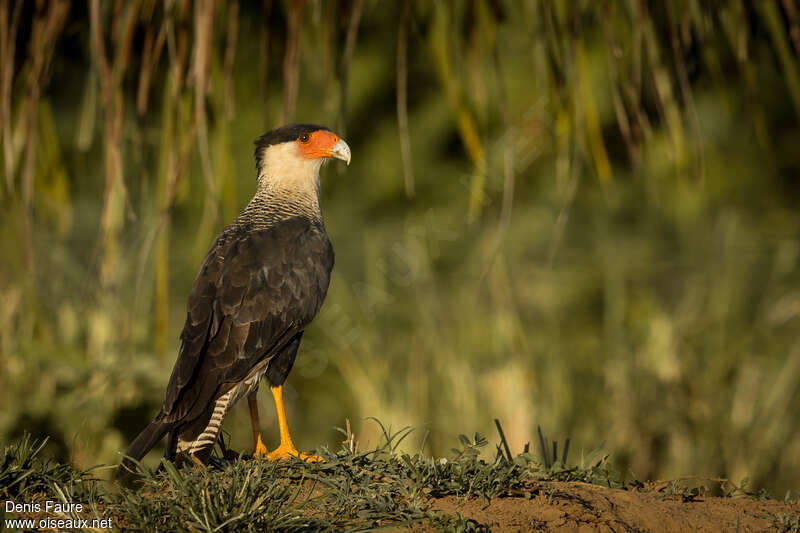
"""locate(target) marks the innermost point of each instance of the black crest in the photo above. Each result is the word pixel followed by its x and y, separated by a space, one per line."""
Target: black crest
pixel 287 133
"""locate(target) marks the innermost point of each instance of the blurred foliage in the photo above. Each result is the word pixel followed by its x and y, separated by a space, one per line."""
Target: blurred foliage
pixel 575 214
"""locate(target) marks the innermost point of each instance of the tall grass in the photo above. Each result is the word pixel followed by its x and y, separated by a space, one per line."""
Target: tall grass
pixel 579 216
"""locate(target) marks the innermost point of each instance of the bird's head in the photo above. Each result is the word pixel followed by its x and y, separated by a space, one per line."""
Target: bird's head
pixel 292 155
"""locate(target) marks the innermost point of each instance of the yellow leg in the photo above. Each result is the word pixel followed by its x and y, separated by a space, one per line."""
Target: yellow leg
pixel 286 447
pixel 259 450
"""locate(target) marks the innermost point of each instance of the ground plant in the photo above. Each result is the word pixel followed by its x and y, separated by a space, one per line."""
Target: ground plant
pixel 580 216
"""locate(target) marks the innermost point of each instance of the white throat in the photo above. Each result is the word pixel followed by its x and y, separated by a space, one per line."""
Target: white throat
pixel 286 171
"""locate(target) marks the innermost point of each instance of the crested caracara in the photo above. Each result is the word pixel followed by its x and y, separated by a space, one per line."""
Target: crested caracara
pixel 260 285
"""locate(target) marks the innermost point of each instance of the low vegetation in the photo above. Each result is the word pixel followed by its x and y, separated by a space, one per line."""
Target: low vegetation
pixel 350 490
pixel 579 215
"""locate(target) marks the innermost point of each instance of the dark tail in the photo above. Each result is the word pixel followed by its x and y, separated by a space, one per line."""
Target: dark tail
pixel 142 444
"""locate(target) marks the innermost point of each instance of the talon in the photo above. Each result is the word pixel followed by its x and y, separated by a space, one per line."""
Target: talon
pixel 286 447
pixel 284 452
pixel 260 450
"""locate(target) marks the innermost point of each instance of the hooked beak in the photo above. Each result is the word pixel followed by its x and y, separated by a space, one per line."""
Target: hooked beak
pixel 341 151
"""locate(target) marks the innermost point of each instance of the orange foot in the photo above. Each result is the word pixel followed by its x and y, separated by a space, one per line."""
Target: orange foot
pixel 260 450
pixel 285 451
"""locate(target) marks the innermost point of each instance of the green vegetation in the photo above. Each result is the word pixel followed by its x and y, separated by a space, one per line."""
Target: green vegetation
pixel 24 472
pixel 580 215
pixel 351 490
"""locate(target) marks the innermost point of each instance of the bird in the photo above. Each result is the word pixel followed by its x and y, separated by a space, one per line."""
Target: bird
pixel 260 285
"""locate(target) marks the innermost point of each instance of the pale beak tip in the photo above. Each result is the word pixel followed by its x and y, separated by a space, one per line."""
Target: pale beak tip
pixel 341 151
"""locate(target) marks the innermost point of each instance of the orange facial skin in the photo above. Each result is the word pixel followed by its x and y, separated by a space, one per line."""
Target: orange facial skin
pixel 318 144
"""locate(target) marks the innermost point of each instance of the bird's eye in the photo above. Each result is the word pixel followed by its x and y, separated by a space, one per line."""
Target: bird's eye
pixel 304 138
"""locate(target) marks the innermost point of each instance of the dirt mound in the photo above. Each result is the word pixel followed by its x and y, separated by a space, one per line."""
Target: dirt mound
pixel 558 506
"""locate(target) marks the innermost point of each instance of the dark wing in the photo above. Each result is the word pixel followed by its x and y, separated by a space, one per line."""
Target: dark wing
pixel 255 290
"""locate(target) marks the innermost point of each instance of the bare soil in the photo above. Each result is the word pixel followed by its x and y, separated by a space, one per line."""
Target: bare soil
pixel 580 507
